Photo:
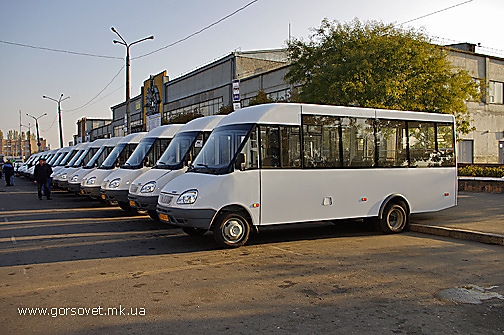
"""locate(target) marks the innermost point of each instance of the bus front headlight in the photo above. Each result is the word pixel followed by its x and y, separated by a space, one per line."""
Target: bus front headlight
pixel 91 181
pixel 114 183
pixel 149 187
pixel 188 197
pixel 74 179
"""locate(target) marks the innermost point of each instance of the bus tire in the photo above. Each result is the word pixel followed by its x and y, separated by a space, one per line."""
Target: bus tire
pixel 394 219
pixel 191 231
pixel 153 215
pixel 231 230
pixel 125 206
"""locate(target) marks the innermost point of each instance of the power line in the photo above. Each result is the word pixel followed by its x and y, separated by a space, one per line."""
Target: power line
pixel 59 50
pixel 199 31
pixel 438 11
pixel 165 47
pixel 97 95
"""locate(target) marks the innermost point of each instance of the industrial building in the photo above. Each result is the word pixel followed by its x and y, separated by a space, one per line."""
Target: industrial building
pixel 231 81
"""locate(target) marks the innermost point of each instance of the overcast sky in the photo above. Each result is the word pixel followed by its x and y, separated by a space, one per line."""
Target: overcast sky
pixel 30 71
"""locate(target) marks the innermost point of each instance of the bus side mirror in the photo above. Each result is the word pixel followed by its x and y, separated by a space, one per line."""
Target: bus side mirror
pixel 240 162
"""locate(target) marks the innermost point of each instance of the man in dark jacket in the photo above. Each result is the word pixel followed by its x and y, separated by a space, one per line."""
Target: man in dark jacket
pixel 8 170
pixel 42 174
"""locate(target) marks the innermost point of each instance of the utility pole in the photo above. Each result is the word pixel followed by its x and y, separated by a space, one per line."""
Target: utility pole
pixel 37 128
pixel 59 114
pixel 128 45
pixel 20 141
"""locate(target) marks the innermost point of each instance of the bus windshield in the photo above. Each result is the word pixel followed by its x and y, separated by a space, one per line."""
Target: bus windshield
pixel 220 149
pixel 173 157
pixel 98 157
pixel 147 152
pixel 118 156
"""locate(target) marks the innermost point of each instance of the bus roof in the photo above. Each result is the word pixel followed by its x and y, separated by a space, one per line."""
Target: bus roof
pixel 168 130
pixel 133 138
pixel 290 114
pixel 206 123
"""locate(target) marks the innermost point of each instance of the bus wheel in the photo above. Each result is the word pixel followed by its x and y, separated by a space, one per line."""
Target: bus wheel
pixel 153 215
pixel 194 231
pixel 395 218
pixel 126 207
pixel 231 230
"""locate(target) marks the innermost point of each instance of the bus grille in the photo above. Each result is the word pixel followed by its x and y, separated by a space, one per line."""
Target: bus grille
pixel 165 199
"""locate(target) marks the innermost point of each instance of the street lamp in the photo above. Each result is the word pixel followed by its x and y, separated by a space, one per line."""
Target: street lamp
pixel 59 114
pixel 123 42
pixel 36 127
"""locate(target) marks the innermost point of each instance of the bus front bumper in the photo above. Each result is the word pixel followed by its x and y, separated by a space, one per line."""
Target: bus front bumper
pixel 114 195
pixel 143 202
pixel 91 191
pixel 74 187
pixel 193 218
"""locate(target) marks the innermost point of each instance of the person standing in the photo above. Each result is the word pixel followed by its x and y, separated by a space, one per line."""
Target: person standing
pixel 1 165
pixel 8 170
pixel 42 174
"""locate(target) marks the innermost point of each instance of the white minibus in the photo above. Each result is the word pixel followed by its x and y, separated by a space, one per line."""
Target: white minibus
pixel 285 163
pixel 70 160
pixel 115 187
pixel 91 183
pixel 104 149
pixel 185 146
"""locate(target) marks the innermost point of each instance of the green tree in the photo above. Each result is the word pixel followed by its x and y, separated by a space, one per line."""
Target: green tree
pixel 377 65
pixel 260 98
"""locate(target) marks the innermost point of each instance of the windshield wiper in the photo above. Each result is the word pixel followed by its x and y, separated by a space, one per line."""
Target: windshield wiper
pixel 207 167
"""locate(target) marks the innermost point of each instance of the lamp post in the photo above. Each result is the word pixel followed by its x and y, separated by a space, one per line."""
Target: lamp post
pixel 128 45
pixel 59 114
pixel 36 127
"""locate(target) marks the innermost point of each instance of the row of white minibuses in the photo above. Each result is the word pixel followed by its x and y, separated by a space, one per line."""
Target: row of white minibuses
pixel 273 164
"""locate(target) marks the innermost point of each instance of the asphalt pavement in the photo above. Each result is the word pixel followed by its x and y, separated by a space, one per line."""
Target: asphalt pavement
pixel 478 216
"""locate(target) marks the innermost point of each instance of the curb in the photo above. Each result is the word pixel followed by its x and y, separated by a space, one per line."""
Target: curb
pixel 471 235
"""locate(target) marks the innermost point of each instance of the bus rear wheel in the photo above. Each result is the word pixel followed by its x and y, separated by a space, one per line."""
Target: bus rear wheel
pixel 394 219
pixel 231 230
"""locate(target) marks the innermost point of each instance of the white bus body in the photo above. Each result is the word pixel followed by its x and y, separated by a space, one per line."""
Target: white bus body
pixel 284 163
pixel 105 146
pixel 115 187
pixel 144 190
pixel 91 183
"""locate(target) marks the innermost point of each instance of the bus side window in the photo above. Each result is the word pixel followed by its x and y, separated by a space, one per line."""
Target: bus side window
pixel 270 146
pixel 290 147
pixel 391 141
pixel 422 143
pixel 321 141
pixel 358 142
pixel 250 151
pixel 445 144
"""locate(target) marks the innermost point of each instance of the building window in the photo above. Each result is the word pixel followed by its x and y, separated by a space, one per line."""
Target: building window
pixel 206 108
pixel 496 92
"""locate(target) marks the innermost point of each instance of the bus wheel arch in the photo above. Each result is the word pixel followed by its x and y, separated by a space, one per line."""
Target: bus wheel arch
pixel 231 226
pixel 394 214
